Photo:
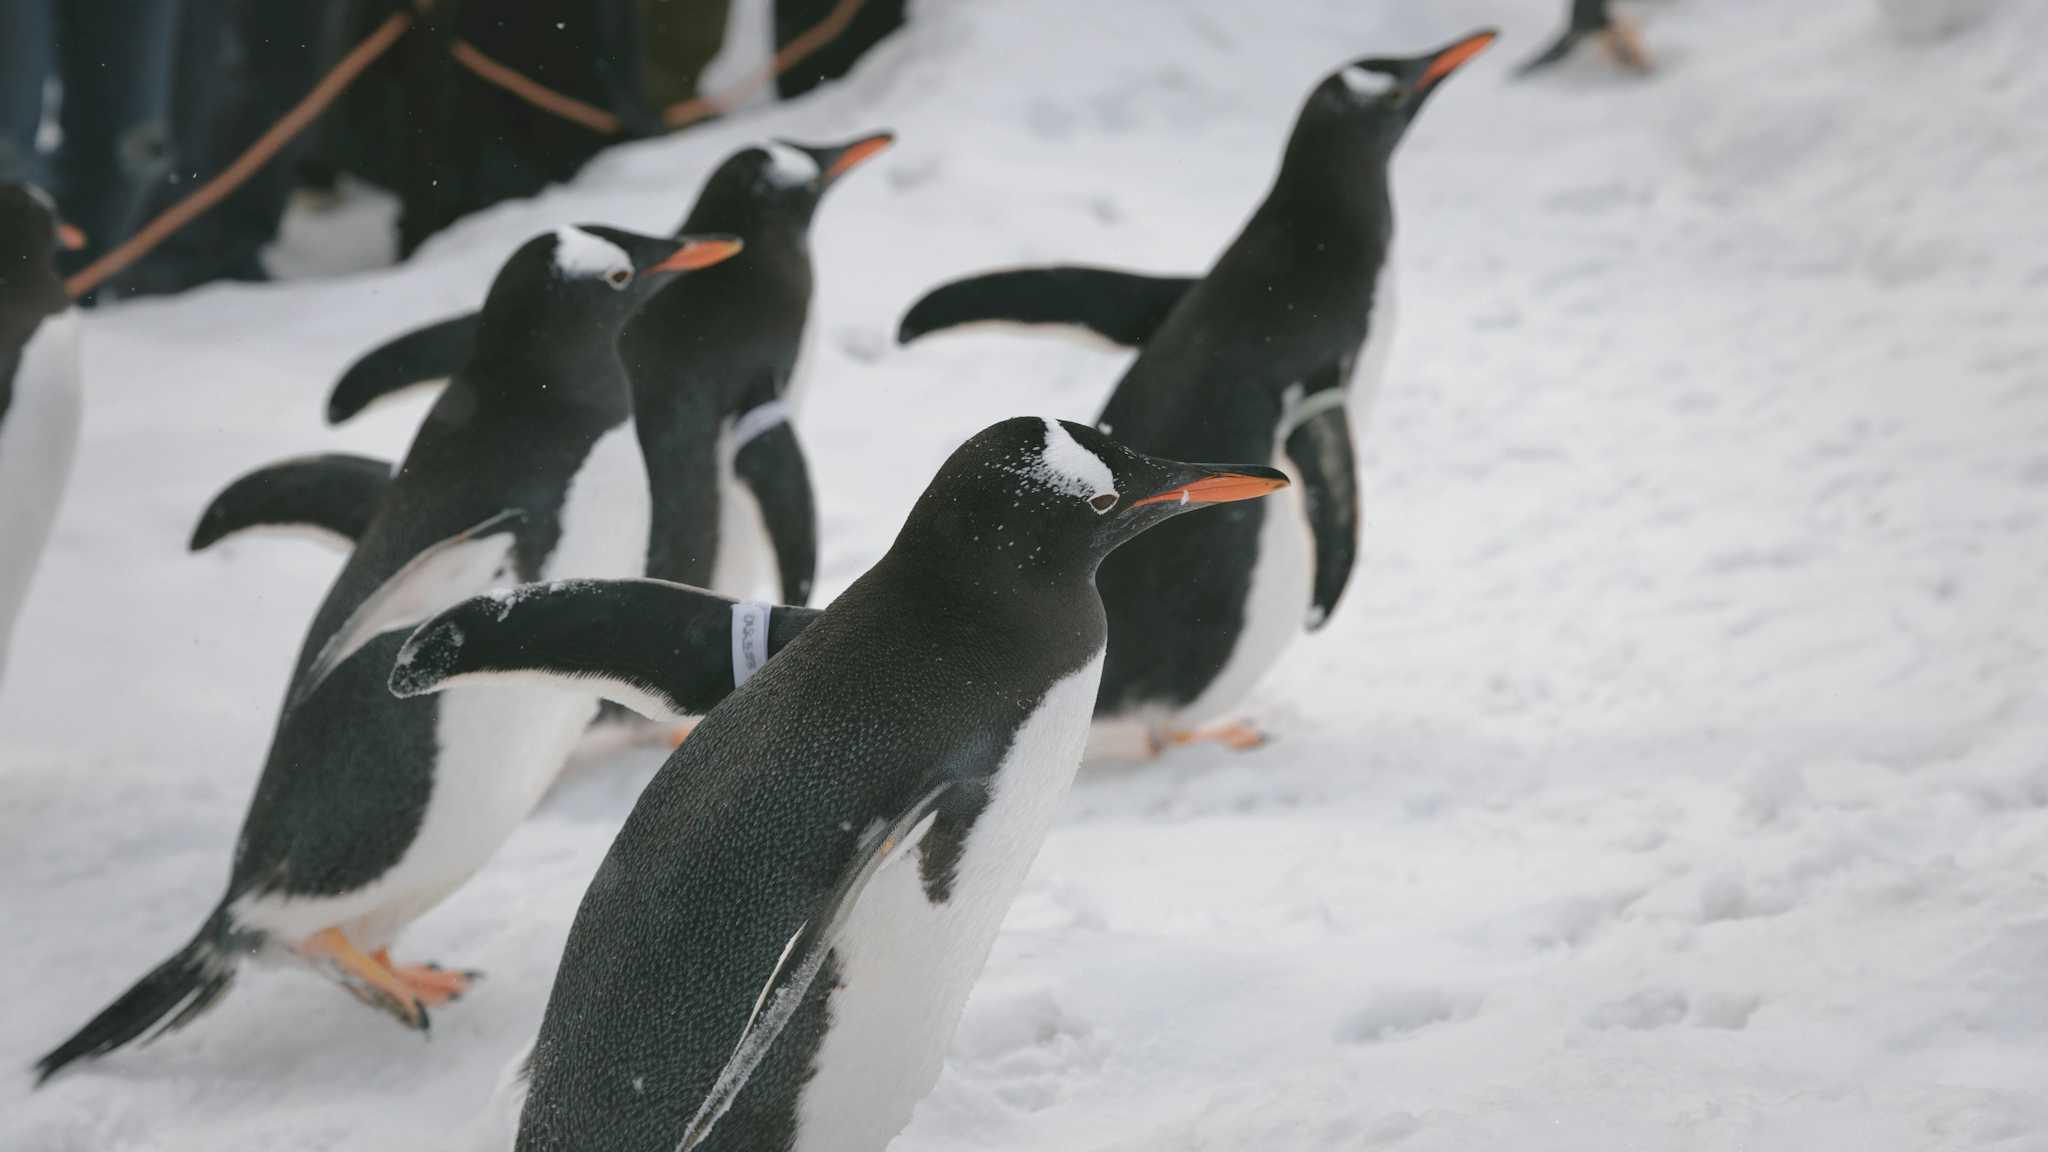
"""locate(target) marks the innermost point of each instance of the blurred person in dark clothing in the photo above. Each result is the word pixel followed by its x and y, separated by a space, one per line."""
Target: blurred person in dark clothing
pixel 111 60
pixel 241 65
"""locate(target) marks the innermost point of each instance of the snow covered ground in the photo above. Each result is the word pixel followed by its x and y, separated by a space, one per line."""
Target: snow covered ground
pixel 1675 775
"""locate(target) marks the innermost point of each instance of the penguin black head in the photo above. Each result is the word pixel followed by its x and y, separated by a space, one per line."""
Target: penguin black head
pixel 1053 497
pixel 30 235
pixel 588 275
pixel 1359 112
pixel 785 179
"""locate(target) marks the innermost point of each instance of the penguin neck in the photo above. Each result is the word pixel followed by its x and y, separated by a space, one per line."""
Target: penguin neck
pixel 515 353
pixel 977 572
pixel 759 223
pixel 1347 215
pixel 19 321
pixel 25 312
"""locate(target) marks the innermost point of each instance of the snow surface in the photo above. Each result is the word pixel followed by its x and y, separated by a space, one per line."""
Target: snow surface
pixel 1674 775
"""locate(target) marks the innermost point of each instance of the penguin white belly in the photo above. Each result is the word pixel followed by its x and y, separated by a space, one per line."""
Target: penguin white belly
pixel 906 965
pixel 1275 608
pixel 38 437
pixel 498 747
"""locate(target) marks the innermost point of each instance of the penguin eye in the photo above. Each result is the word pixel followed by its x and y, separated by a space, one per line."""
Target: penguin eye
pixel 618 278
pixel 1102 502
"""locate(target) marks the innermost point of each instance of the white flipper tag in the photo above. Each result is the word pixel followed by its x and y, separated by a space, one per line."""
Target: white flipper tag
pixel 461 566
pixel 1308 408
pixel 749 639
pixel 756 420
pixel 807 949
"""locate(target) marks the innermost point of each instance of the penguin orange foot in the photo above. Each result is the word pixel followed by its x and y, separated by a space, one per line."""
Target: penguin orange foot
pixel 1625 45
pixel 372 982
pixel 1238 736
pixel 431 984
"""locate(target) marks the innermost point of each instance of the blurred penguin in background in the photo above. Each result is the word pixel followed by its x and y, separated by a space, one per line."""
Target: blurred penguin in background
pixel 1592 20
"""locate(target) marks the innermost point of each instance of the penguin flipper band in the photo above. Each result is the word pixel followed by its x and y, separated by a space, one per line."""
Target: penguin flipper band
pixel 332 493
pixel 460 566
pixel 1124 308
pixel 420 356
pixel 802 958
pixel 663 650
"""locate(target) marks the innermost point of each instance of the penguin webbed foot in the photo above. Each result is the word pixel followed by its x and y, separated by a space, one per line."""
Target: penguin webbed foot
pixel 433 985
pixel 364 977
pixel 1624 45
pixel 1237 735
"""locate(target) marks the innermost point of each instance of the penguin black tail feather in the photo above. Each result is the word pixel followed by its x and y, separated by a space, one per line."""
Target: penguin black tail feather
pixel 180 989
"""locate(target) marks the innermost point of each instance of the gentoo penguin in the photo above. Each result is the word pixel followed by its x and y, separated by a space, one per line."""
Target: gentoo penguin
pixel 1267 357
pixel 741 330
pixel 40 401
pixel 371 809
pixel 1591 18
pixel 778 946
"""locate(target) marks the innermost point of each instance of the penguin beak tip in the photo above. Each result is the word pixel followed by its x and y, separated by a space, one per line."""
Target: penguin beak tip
pixel 1454 57
pixel 858 153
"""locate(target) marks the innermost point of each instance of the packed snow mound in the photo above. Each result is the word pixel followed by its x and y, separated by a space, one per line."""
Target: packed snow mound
pixel 1672 775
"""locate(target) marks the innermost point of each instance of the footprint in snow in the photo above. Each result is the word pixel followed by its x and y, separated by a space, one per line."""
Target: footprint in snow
pixel 1395 1011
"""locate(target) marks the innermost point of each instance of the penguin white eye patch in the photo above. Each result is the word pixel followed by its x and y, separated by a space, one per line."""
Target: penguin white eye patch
pixel 580 255
pixel 1365 84
pixel 788 166
pixel 1065 466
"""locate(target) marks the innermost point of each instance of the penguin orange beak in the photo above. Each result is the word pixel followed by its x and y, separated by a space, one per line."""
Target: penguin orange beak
pixel 1454 57
pixel 69 237
pixel 1221 488
pixel 700 254
pixel 857 153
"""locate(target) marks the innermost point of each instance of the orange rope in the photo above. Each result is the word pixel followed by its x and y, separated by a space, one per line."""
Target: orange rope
pixel 526 88
pixel 533 91
pixel 246 165
pixel 687 112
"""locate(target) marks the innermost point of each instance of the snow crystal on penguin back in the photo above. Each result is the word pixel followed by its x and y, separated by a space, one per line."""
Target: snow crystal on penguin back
pixel 787 165
pixel 580 255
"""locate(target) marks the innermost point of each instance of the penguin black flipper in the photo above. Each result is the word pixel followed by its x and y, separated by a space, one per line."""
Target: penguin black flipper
pixel 1585 18
pixel 332 493
pixel 770 462
pixel 1122 307
pixel 1321 451
pixel 805 955
pixel 667 651
pixel 1550 56
pixel 451 570
pixel 420 356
